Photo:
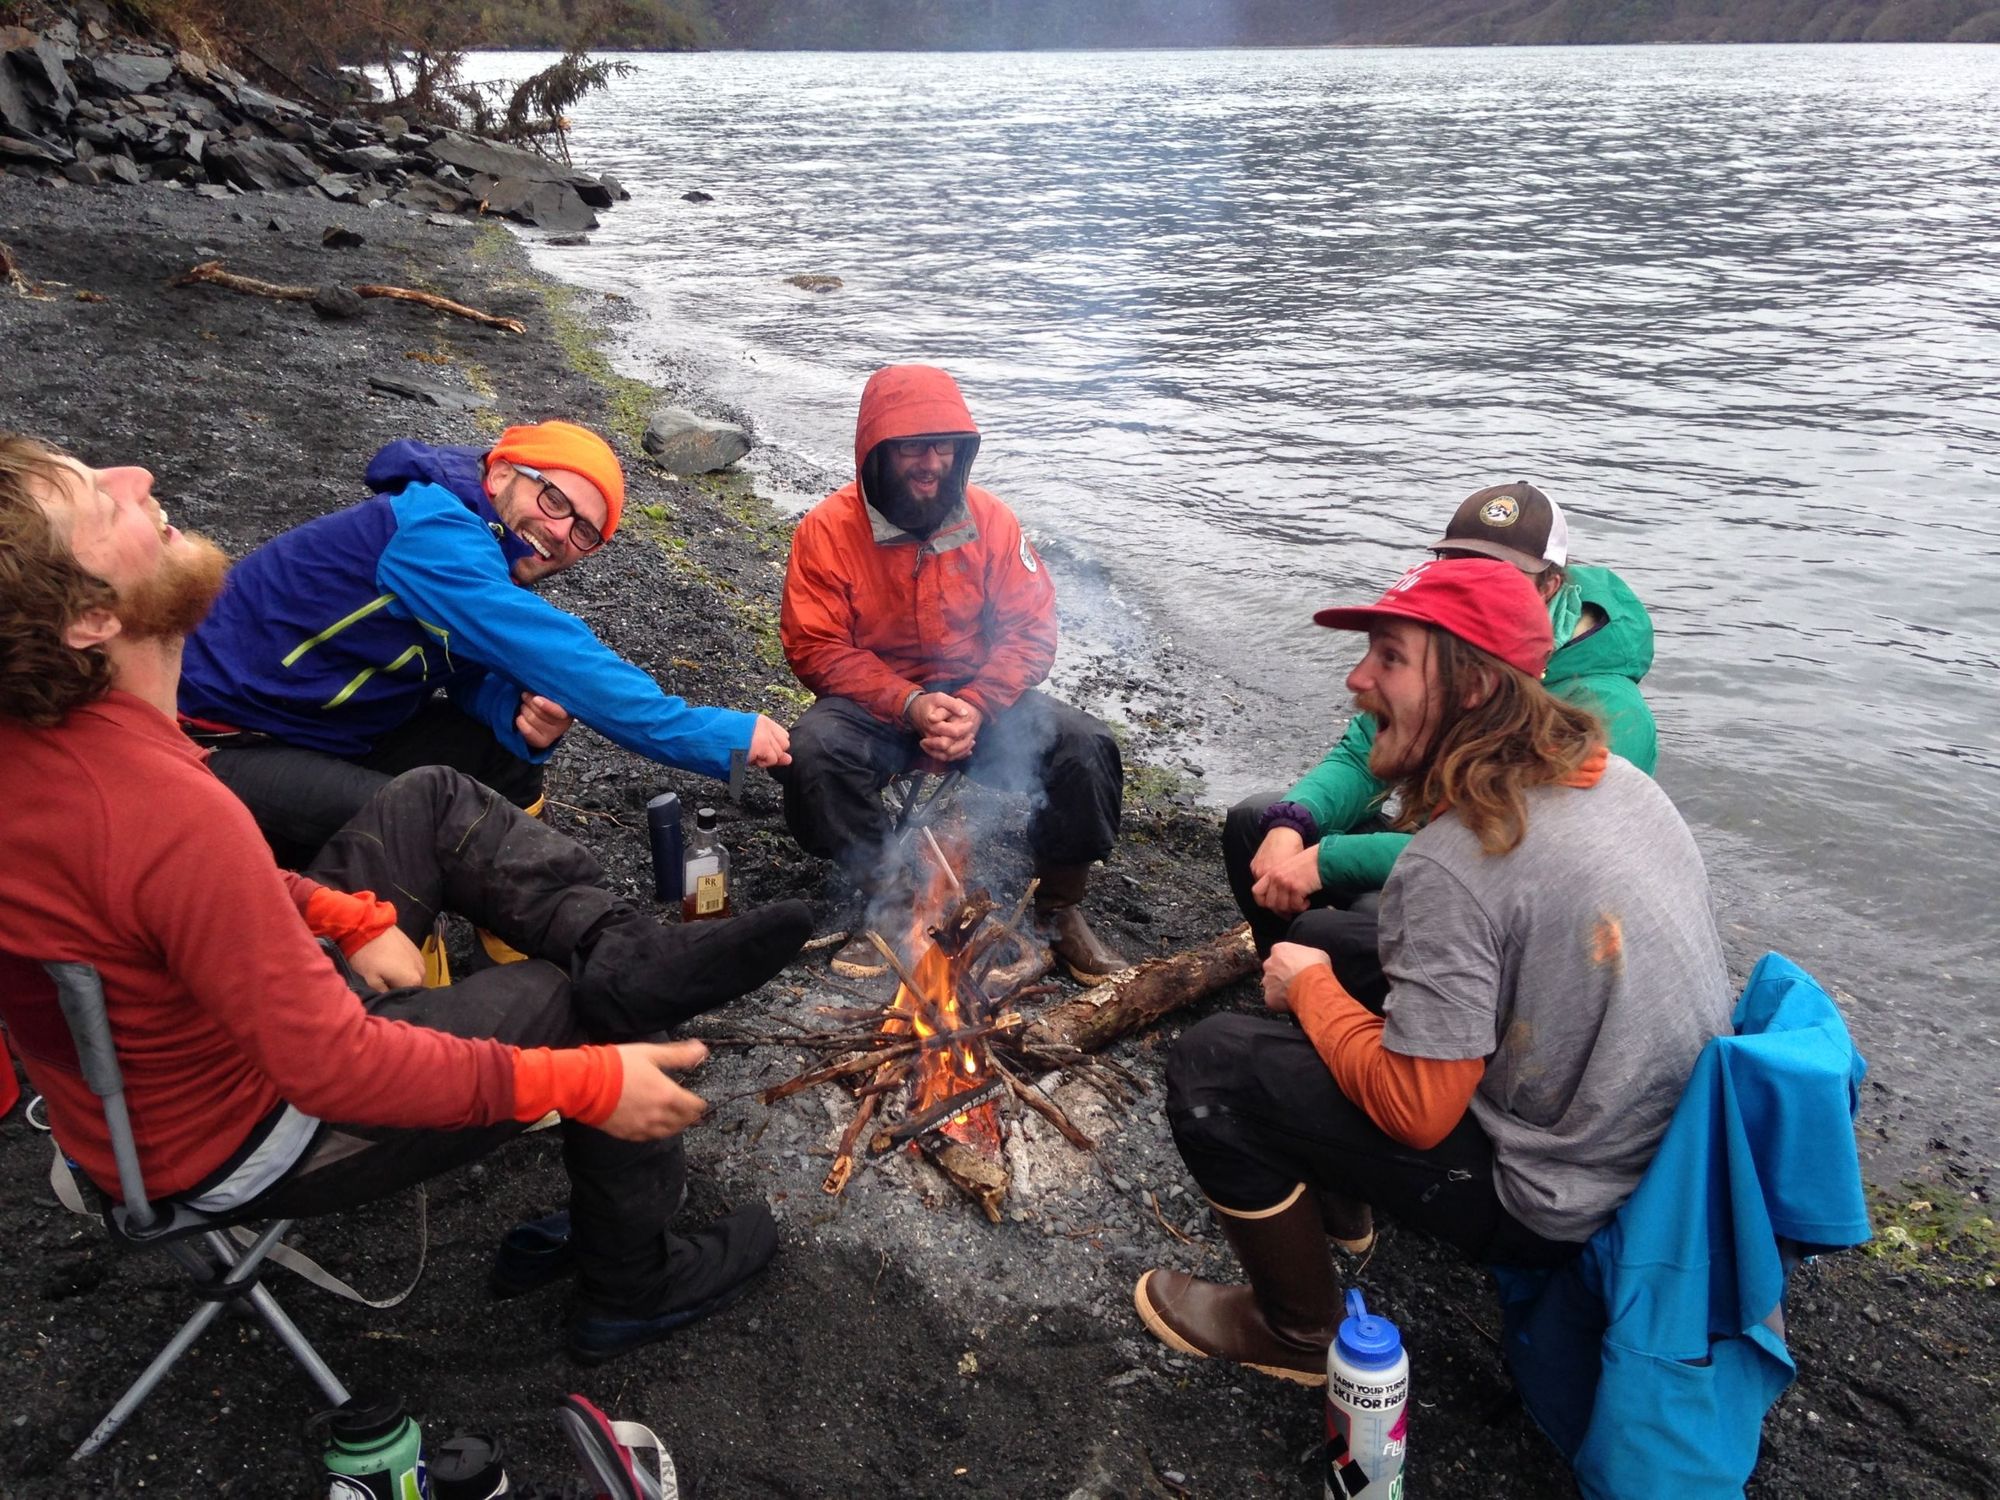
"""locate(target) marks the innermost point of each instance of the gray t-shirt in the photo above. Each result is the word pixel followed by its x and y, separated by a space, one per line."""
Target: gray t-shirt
pixel 1584 967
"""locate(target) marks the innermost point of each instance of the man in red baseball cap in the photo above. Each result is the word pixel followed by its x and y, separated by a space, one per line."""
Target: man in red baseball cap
pixel 1307 865
pixel 1553 969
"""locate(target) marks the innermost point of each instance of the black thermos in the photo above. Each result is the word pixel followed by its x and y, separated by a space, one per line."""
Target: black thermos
pixel 663 827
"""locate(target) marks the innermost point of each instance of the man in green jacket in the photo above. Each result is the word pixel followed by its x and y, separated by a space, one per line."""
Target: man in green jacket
pixel 1307 867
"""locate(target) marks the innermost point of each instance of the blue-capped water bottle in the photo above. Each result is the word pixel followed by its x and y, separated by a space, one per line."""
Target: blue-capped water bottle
pixel 1367 1407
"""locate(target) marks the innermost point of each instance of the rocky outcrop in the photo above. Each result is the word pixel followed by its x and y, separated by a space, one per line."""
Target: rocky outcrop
pixel 80 106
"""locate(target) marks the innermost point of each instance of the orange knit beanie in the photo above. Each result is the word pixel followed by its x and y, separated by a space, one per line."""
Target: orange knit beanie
pixel 564 445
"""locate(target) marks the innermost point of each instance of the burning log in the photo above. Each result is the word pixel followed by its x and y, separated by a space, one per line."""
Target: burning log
pixel 984 1179
pixel 1142 995
pixel 937 1114
pixel 1046 1107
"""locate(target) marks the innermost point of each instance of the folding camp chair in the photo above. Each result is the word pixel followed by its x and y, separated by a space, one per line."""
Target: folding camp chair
pixel 56 1015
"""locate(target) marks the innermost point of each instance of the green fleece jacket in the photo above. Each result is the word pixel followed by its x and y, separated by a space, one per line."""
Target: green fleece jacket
pixel 1599 671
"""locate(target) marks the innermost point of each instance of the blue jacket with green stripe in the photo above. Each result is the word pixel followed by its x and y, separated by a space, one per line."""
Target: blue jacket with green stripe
pixel 329 636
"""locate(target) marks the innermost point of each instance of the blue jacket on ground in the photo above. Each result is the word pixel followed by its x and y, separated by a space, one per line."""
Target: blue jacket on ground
pixel 332 634
pixel 1651 1360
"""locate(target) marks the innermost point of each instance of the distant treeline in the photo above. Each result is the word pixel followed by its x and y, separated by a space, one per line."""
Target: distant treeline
pixel 622 25
pixel 1027 24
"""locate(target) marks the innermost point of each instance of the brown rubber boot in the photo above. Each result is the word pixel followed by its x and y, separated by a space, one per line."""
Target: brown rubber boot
pixel 885 901
pixel 858 958
pixel 1281 1323
pixel 1348 1222
pixel 1059 914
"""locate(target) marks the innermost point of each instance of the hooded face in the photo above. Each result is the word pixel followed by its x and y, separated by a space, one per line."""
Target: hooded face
pixel 914 442
pixel 917 481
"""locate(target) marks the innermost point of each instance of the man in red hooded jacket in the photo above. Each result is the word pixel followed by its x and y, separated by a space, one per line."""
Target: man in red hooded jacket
pixel 922 620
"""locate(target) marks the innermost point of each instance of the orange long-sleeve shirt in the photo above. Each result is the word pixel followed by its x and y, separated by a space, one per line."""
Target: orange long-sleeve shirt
pixel 1416 1100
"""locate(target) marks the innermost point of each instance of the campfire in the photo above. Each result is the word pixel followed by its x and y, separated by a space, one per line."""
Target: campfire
pixel 938 1069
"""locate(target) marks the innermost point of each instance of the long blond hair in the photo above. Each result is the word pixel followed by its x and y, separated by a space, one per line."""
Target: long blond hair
pixel 1482 760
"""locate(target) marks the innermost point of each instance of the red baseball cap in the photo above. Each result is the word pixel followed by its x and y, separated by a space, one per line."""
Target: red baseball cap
pixel 1484 602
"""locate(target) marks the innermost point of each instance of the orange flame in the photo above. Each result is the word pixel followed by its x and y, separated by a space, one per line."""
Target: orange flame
pixel 958 1065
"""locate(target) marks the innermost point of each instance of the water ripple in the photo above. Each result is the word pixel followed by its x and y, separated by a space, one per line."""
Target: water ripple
pixel 1242 327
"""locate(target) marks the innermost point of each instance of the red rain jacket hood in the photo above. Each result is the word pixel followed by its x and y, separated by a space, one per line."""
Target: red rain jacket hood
pixel 903 401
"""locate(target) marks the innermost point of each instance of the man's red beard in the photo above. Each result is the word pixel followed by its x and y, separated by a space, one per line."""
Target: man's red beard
pixel 178 596
pixel 1371 703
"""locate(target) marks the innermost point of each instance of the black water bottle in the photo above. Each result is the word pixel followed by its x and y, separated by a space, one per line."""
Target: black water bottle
pixel 663 828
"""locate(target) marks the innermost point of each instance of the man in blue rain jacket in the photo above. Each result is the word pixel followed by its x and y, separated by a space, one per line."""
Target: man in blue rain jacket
pixel 315 678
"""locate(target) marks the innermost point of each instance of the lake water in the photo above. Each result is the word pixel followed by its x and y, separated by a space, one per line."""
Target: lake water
pixel 1242 327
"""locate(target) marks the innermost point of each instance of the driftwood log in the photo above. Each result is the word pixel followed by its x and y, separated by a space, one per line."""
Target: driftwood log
pixel 15 282
pixel 1144 994
pixel 210 273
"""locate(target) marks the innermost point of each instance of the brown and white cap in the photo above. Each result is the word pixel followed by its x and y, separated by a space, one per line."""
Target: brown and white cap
pixel 1515 523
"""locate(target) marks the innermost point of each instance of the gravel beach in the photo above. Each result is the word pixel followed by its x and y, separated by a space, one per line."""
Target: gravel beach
pixel 901 1345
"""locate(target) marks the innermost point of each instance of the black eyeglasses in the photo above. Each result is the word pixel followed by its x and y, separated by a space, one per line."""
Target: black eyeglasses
pixel 919 446
pixel 557 506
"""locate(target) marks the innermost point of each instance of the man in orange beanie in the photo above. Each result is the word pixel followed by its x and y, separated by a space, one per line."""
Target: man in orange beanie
pixel 315 679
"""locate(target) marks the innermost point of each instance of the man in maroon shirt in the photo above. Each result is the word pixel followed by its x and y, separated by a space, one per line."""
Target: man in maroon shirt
pixel 264 1078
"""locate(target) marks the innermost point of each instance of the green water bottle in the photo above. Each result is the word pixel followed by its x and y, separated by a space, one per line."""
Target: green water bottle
pixel 374 1451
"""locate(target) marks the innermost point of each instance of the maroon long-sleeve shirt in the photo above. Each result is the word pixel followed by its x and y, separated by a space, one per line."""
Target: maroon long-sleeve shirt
pixel 119 849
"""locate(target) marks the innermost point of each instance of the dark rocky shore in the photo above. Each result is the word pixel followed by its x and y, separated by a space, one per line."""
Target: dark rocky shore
pixel 901 1345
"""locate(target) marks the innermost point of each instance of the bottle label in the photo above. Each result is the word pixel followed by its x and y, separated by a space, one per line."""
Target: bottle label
pixel 1367 1434
pixel 711 893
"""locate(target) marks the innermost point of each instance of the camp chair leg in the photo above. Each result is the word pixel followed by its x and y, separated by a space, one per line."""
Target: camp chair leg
pixel 236 1270
pixel 141 1388
pixel 307 1356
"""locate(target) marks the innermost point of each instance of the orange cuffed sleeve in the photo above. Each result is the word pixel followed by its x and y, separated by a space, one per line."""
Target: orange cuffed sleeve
pixel 351 920
pixel 1416 1100
pixel 578 1083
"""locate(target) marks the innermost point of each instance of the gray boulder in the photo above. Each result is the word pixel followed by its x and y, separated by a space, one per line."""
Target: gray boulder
pixel 41 71
pixel 369 159
pixel 338 302
pixel 492 159
pixel 34 149
pixel 129 72
pixel 546 205
pixel 263 165
pixel 429 196
pixel 429 392
pixel 16 114
pixel 687 444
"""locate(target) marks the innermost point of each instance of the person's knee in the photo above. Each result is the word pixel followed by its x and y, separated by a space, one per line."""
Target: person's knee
pixel 424 787
pixel 829 743
pixel 1242 827
pixel 1245 817
pixel 1203 1062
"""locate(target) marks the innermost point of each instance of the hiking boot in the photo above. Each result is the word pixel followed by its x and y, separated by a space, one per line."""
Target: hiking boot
pixel 706 1272
pixel 1059 914
pixel 1281 1323
pixel 538 1252
pixel 1087 958
pixel 638 977
pixel 857 958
